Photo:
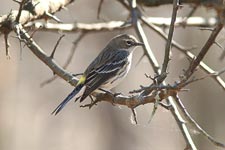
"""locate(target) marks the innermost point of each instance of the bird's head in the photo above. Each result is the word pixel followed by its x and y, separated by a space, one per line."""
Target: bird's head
pixel 125 41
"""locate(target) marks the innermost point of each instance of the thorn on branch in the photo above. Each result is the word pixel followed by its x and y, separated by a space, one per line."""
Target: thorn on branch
pixel 222 55
pixel 7 45
pixel 149 76
pixel 218 44
pixel 68 61
pixel 156 103
pixel 51 16
pixel 57 43
pixel 17 1
pixel 138 91
pixel 207 29
pixel 134 116
pixel 222 48
pixel 184 21
pixel 99 8
pixel 35 30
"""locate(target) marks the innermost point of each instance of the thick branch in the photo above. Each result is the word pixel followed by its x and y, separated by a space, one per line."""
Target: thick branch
pixel 32 10
pixel 117 25
pixel 43 56
pixel 131 102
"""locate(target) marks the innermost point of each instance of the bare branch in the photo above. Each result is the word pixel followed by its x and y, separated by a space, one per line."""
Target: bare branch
pixel 169 40
pixel 182 125
pixel 56 45
pixel 195 124
pixel 99 8
pixel 30 12
pixel 69 59
pixel 184 22
pixel 117 25
pixel 185 51
pixel 134 114
pixel 203 51
pixel 7 45
pixel 76 27
pixel 43 56
pixel 139 30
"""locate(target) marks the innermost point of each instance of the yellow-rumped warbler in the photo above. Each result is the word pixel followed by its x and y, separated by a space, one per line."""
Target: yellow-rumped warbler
pixel 107 69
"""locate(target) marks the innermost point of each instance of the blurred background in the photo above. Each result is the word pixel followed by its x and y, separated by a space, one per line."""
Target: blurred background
pixel 25 108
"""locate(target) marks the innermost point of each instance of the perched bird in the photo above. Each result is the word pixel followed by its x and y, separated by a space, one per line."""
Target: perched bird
pixel 107 70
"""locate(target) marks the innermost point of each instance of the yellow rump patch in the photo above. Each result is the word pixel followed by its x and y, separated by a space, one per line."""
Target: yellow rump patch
pixel 81 80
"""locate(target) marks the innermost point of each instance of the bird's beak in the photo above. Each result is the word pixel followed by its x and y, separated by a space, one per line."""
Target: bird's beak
pixel 139 44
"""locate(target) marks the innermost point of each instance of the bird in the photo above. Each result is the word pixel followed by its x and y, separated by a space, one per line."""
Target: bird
pixel 107 70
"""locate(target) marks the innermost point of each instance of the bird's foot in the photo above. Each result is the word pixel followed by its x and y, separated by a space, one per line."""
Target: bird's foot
pixel 90 105
pixel 111 93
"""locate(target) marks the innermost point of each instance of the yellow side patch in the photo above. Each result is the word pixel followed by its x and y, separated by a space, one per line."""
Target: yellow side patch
pixel 81 80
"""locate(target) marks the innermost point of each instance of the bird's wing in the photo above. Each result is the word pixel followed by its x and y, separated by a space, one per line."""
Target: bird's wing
pixel 101 74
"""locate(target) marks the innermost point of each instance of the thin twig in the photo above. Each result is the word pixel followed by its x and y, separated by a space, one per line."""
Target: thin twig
pixel 218 44
pixel 222 56
pixel 203 51
pixel 69 59
pixel 7 45
pixel 24 36
pixel 193 10
pixel 134 114
pixel 169 41
pixel 195 124
pixel 155 107
pixel 56 45
pixel 99 8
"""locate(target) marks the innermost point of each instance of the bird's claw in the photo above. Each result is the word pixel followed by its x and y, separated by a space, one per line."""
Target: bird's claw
pixel 90 105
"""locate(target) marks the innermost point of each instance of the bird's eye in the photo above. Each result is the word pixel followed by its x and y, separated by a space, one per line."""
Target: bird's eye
pixel 129 43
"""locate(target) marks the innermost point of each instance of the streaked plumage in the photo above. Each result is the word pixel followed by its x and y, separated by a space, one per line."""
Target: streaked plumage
pixel 107 69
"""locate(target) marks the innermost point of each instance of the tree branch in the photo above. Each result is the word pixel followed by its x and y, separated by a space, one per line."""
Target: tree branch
pixel 169 41
pixel 136 14
pixel 33 10
pixel 195 124
pixel 203 51
pixel 32 45
pixel 185 51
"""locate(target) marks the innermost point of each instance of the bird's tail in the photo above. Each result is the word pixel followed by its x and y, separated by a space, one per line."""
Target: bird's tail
pixel 76 90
